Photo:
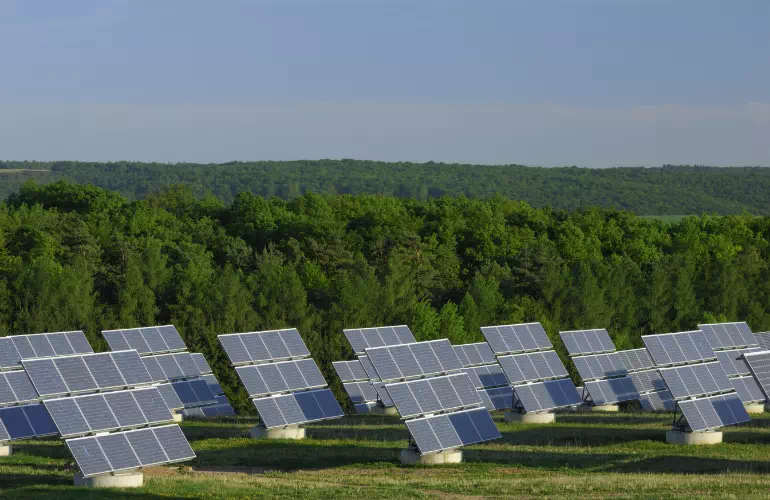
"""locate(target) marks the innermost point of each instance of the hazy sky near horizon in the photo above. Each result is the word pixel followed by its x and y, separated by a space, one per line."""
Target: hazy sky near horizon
pixel 591 83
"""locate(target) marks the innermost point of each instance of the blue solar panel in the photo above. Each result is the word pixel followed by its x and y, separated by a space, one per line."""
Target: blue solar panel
pixel 170 397
pixel 45 377
pixel 16 423
pixel 89 456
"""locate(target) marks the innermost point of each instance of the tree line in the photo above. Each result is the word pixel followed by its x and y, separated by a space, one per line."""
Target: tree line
pixel 83 257
pixel 670 190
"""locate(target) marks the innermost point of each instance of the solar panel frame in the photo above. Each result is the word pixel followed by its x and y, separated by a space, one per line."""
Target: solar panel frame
pixel 405 361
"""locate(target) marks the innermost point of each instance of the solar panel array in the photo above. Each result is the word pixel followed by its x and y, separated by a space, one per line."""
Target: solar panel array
pixel 146 340
pixel 540 381
pixel 730 341
pixel 110 411
pixel 363 338
pixel 222 408
pixel 653 394
pixel 486 374
pixel 164 357
pixel 452 430
pixel 98 400
pixel 420 359
pixel 696 381
pixel 604 374
pixel 379 386
pixel 40 345
pixel 86 373
pixel 430 389
pixel 273 363
pixel 16 388
pixel 357 385
pixel 728 335
pixel 129 450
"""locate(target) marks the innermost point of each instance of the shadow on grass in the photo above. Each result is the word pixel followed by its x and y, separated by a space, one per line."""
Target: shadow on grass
pixel 292 455
pixel 555 435
pixel 617 462
pixel 39 492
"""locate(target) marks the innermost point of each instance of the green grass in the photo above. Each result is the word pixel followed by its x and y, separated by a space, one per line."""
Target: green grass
pixel 582 455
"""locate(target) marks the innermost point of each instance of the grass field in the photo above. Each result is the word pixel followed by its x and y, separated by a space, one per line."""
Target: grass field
pixel 582 455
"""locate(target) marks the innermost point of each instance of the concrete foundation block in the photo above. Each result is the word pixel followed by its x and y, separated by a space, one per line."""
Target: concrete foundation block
pixel 529 418
pixel 5 450
pixel 133 479
pixel 411 457
pixel 384 411
pixel 755 408
pixel 602 408
pixel 291 432
pixel 693 438
pixel 178 417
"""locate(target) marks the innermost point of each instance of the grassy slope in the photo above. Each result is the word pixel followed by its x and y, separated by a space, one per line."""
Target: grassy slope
pixel 592 456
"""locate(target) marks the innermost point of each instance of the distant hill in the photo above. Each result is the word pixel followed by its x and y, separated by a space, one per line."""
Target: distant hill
pixel 670 190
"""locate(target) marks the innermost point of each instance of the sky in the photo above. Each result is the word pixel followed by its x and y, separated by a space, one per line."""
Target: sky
pixel 551 83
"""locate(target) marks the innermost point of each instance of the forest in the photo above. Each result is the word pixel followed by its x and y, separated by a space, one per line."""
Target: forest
pixel 82 257
pixel 670 190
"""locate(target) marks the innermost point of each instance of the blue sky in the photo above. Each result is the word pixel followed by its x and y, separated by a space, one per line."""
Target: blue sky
pixel 545 83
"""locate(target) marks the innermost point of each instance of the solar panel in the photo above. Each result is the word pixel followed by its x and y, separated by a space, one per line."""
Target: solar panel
pixel 171 369
pixel 45 377
pixel 597 366
pixel 193 392
pixel 658 401
pixel 211 380
pixel 130 450
pixel 445 432
pixel 363 338
pixel 593 341
pixel 636 359
pixel 696 380
pixel 258 347
pixel 509 339
pixel 17 347
pixel 145 340
pixel 131 368
pixel 9 356
pixel 76 375
pixel 713 412
pixel 475 354
pixel 24 422
pixel 677 348
pixel 647 381
pixel 763 339
pixel 170 397
pixel 360 392
pixel 201 363
pixel 528 367
pixel 548 395
pixel 497 398
pixel 21 386
pixel 488 376
pixel 748 389
pixel 404 361
pixel 104 371
pixel 154 369
pixel 105 412
pixel 431 395
pixel 732 361
pixel 297 408
pixel 759 365
pixel 728 335
pixel 611 391
pixel 350 371
pixel 41 345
